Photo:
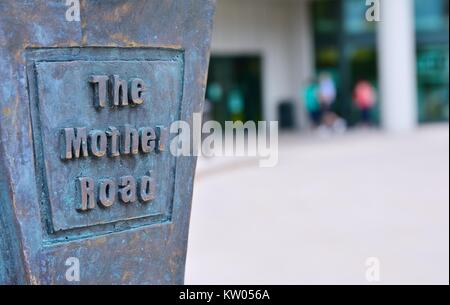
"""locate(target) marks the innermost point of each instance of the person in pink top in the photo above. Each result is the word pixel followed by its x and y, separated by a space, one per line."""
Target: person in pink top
pixel 364 96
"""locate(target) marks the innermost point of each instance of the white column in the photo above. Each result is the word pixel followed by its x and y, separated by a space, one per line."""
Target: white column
pixel 397 65
pixel 301 56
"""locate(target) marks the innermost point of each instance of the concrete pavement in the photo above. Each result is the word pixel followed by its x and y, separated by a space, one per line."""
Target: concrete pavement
pixel 328 206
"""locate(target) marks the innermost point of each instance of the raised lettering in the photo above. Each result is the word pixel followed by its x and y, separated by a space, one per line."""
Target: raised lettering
pixel 147 139
pixel 127 193
pixel 97 143
pixel 137 88
pixel 87 197
pixel 100 83
pixel 74 143
pixel 113 147
pixel 162 135
pixel 147 189
pixel 119 91
pixel 107 193
pixel 130 140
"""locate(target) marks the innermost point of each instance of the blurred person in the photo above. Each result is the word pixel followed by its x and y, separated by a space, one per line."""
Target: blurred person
pixel 327 91
pixel 236 105
pixel 364 97
pixel 311 100
pixel 327 96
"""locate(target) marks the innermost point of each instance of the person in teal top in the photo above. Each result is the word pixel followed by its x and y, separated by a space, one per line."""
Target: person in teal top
pixel 236 105
pixel 311 100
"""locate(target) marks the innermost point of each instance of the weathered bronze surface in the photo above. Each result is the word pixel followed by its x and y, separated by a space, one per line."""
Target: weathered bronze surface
pixel 85 110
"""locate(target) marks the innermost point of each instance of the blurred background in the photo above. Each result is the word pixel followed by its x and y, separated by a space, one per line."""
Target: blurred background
pixel 363 171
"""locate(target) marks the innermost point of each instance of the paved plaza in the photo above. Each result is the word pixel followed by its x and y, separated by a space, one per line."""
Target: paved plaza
pixel 330 204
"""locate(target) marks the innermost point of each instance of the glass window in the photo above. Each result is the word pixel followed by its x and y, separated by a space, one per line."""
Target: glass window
pixel 433 81
pixel 326 16
pixel 355 17
pixel 431 15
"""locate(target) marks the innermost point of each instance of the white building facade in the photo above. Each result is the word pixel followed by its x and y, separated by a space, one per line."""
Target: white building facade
pixel 281 32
